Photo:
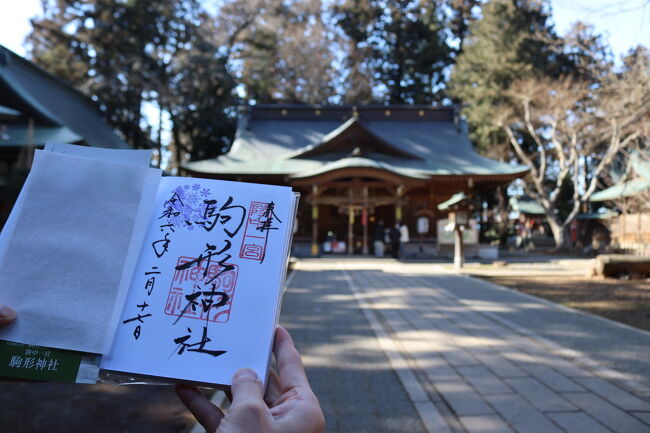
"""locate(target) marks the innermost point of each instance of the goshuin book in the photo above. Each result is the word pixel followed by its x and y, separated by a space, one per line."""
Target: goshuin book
pixel 106 261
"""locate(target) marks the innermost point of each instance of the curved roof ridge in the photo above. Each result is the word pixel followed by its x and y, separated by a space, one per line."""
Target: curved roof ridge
pixel 360 162
pixel 329 142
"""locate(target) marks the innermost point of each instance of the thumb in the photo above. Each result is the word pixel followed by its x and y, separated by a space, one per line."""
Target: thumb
pixel 247 390
pixel 7 315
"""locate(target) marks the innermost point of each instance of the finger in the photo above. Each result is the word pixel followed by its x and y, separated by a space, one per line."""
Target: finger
pixel 273 389
pixel 248 408
pixel 7 315
pixel 247 389
pixel 206 413
pixel 290 368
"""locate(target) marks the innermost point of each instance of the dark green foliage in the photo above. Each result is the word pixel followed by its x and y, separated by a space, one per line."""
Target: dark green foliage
pixel 412 53
pixel 190 64
pixel 512 40
pixel 124 54
pixel 397 48
pixel 565 198
pixel 201 105
pixel 462 13
pixel 356 20
pixel 280 51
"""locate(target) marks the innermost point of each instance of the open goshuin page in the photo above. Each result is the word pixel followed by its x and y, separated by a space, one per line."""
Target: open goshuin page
pixel 205 294
pixel 178 278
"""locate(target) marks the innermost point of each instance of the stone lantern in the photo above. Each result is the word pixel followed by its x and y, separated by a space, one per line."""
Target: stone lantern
pixel 459 209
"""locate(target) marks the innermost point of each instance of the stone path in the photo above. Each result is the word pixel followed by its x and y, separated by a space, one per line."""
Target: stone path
pixel 358 390
pixel 393 347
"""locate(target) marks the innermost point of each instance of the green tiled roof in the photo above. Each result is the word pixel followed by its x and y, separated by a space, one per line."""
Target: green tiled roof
pixel 628 188
pixel 631 187
pixel 529 207
pixel 273 147
pixel 38 94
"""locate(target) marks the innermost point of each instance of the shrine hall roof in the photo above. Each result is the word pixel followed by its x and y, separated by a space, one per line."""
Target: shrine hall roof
pixel 58 111
pixel 621 190
pixel 302 141
pixel 634 185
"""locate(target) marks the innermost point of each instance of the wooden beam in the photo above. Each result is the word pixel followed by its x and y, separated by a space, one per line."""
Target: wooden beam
pixel 356 202
pixel 356 172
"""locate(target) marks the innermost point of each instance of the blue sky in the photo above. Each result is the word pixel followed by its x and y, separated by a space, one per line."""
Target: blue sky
pixel 625 23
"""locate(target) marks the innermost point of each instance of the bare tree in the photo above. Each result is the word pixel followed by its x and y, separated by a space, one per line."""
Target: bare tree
pixel 279 51
pixel 569 131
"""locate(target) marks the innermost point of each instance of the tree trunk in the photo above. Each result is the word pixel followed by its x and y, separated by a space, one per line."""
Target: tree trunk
pixel 177 153
pixel 560 234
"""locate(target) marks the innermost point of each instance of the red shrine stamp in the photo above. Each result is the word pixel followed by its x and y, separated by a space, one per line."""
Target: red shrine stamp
pixel 253 246
pixel 201 303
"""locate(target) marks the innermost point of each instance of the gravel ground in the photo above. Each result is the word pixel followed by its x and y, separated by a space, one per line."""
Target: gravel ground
pixel 625 301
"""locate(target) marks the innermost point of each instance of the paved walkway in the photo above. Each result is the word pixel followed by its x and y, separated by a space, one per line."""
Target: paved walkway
pixel 393 347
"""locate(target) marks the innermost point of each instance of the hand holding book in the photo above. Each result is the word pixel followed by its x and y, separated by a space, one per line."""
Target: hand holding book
pixel 288 405
pixel 167 278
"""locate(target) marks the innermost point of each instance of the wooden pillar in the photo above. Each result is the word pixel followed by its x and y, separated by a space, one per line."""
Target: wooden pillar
pixel 314 223
pixel 398 203
pixel 350 230
pixel 350 222
pixel 364 221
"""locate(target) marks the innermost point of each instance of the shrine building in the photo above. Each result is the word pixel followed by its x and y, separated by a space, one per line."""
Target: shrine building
pixel 358 166
pixel 36 108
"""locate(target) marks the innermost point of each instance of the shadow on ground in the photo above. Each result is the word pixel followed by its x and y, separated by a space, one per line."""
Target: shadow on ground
pixel 62 408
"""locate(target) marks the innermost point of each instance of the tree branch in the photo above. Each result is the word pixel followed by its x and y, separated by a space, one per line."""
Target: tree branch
pixel 538 142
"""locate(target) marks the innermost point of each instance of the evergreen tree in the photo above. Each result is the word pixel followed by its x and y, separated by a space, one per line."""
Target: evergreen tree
pixel 401 44
pixel 461 14
pixel 279 51
pixel 512 40
pixel 356 19
pixel 413 52
pixel 126 54
pixel 200 101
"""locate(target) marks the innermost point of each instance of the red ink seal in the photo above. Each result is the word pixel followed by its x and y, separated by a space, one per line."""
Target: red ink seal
pixel 254 244
pixel 189 281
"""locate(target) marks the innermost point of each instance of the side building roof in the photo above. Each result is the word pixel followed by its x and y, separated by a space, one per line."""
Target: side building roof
pixel 300 141
pixel 60 112
pixel 631 187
